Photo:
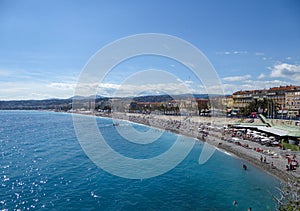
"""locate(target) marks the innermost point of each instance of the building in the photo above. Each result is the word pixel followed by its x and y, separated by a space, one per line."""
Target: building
pixel 275 95
pixel 259 94
pixel 144 107
pixel 227 102
pixel 241 99
pixel 188 106
pixel 278 96
pixel 292 102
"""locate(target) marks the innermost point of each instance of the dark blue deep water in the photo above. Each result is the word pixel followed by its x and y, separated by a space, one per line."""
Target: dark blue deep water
pixel 42 166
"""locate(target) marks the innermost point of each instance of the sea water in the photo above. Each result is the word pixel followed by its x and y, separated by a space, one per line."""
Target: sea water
pixel 42 166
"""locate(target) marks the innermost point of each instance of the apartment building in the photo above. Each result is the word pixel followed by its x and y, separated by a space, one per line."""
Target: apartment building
pixel 292 102
pixel 242 98
pixel 285 98
pixel 278 95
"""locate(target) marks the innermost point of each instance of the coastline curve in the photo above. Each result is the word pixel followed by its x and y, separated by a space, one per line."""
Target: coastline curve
pixel 88 134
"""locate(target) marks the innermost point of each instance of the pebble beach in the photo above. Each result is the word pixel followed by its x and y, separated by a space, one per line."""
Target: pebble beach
pixel 211 130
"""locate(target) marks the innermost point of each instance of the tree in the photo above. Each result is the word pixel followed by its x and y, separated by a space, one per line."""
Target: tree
pixel 266 107
pixel 108 108
pixel 162 108
pixel 202 106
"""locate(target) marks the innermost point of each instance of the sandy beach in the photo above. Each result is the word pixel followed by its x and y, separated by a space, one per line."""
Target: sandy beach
pixel 211 130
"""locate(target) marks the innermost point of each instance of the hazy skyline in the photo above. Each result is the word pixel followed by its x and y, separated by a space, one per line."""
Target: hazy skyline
pixel 46 44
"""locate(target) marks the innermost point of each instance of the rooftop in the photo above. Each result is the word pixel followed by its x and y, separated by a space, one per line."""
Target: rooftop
pixel 280 88
pixel 282 130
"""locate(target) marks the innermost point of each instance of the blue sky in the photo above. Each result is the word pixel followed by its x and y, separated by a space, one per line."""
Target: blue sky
pixel 44 45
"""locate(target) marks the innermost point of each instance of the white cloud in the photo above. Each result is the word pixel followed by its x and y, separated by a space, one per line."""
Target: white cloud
pixel 261 76
pixel 229 88
pixel 261 84
pixel 122 90
pixel 26 90
pixel 259 54
pixel 240 52
pixel 135 90
pixel 232 52
pixel 62 86
pixel 30 90
pixel 237 78
pixel 20 84
pixel 5 73
pixel 287 71
pixel 188 82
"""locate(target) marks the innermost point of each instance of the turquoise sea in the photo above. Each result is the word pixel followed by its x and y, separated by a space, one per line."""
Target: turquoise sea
pixel 43 167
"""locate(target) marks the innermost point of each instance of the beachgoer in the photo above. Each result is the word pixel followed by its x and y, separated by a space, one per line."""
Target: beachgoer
pixel 265 159
pixel 234 203
pixel 261 158
pixel 291 166
pixel 249 209
pixel 244 167
pixel 272 165
pixel 287 167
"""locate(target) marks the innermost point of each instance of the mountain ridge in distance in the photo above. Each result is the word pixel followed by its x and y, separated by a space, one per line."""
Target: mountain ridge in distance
pixel 54 103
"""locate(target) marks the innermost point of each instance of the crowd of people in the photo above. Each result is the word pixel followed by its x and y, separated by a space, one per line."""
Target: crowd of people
pixel 262 143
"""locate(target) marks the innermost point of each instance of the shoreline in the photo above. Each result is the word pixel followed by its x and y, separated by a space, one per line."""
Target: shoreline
pixel 188 126
pixel 281 175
